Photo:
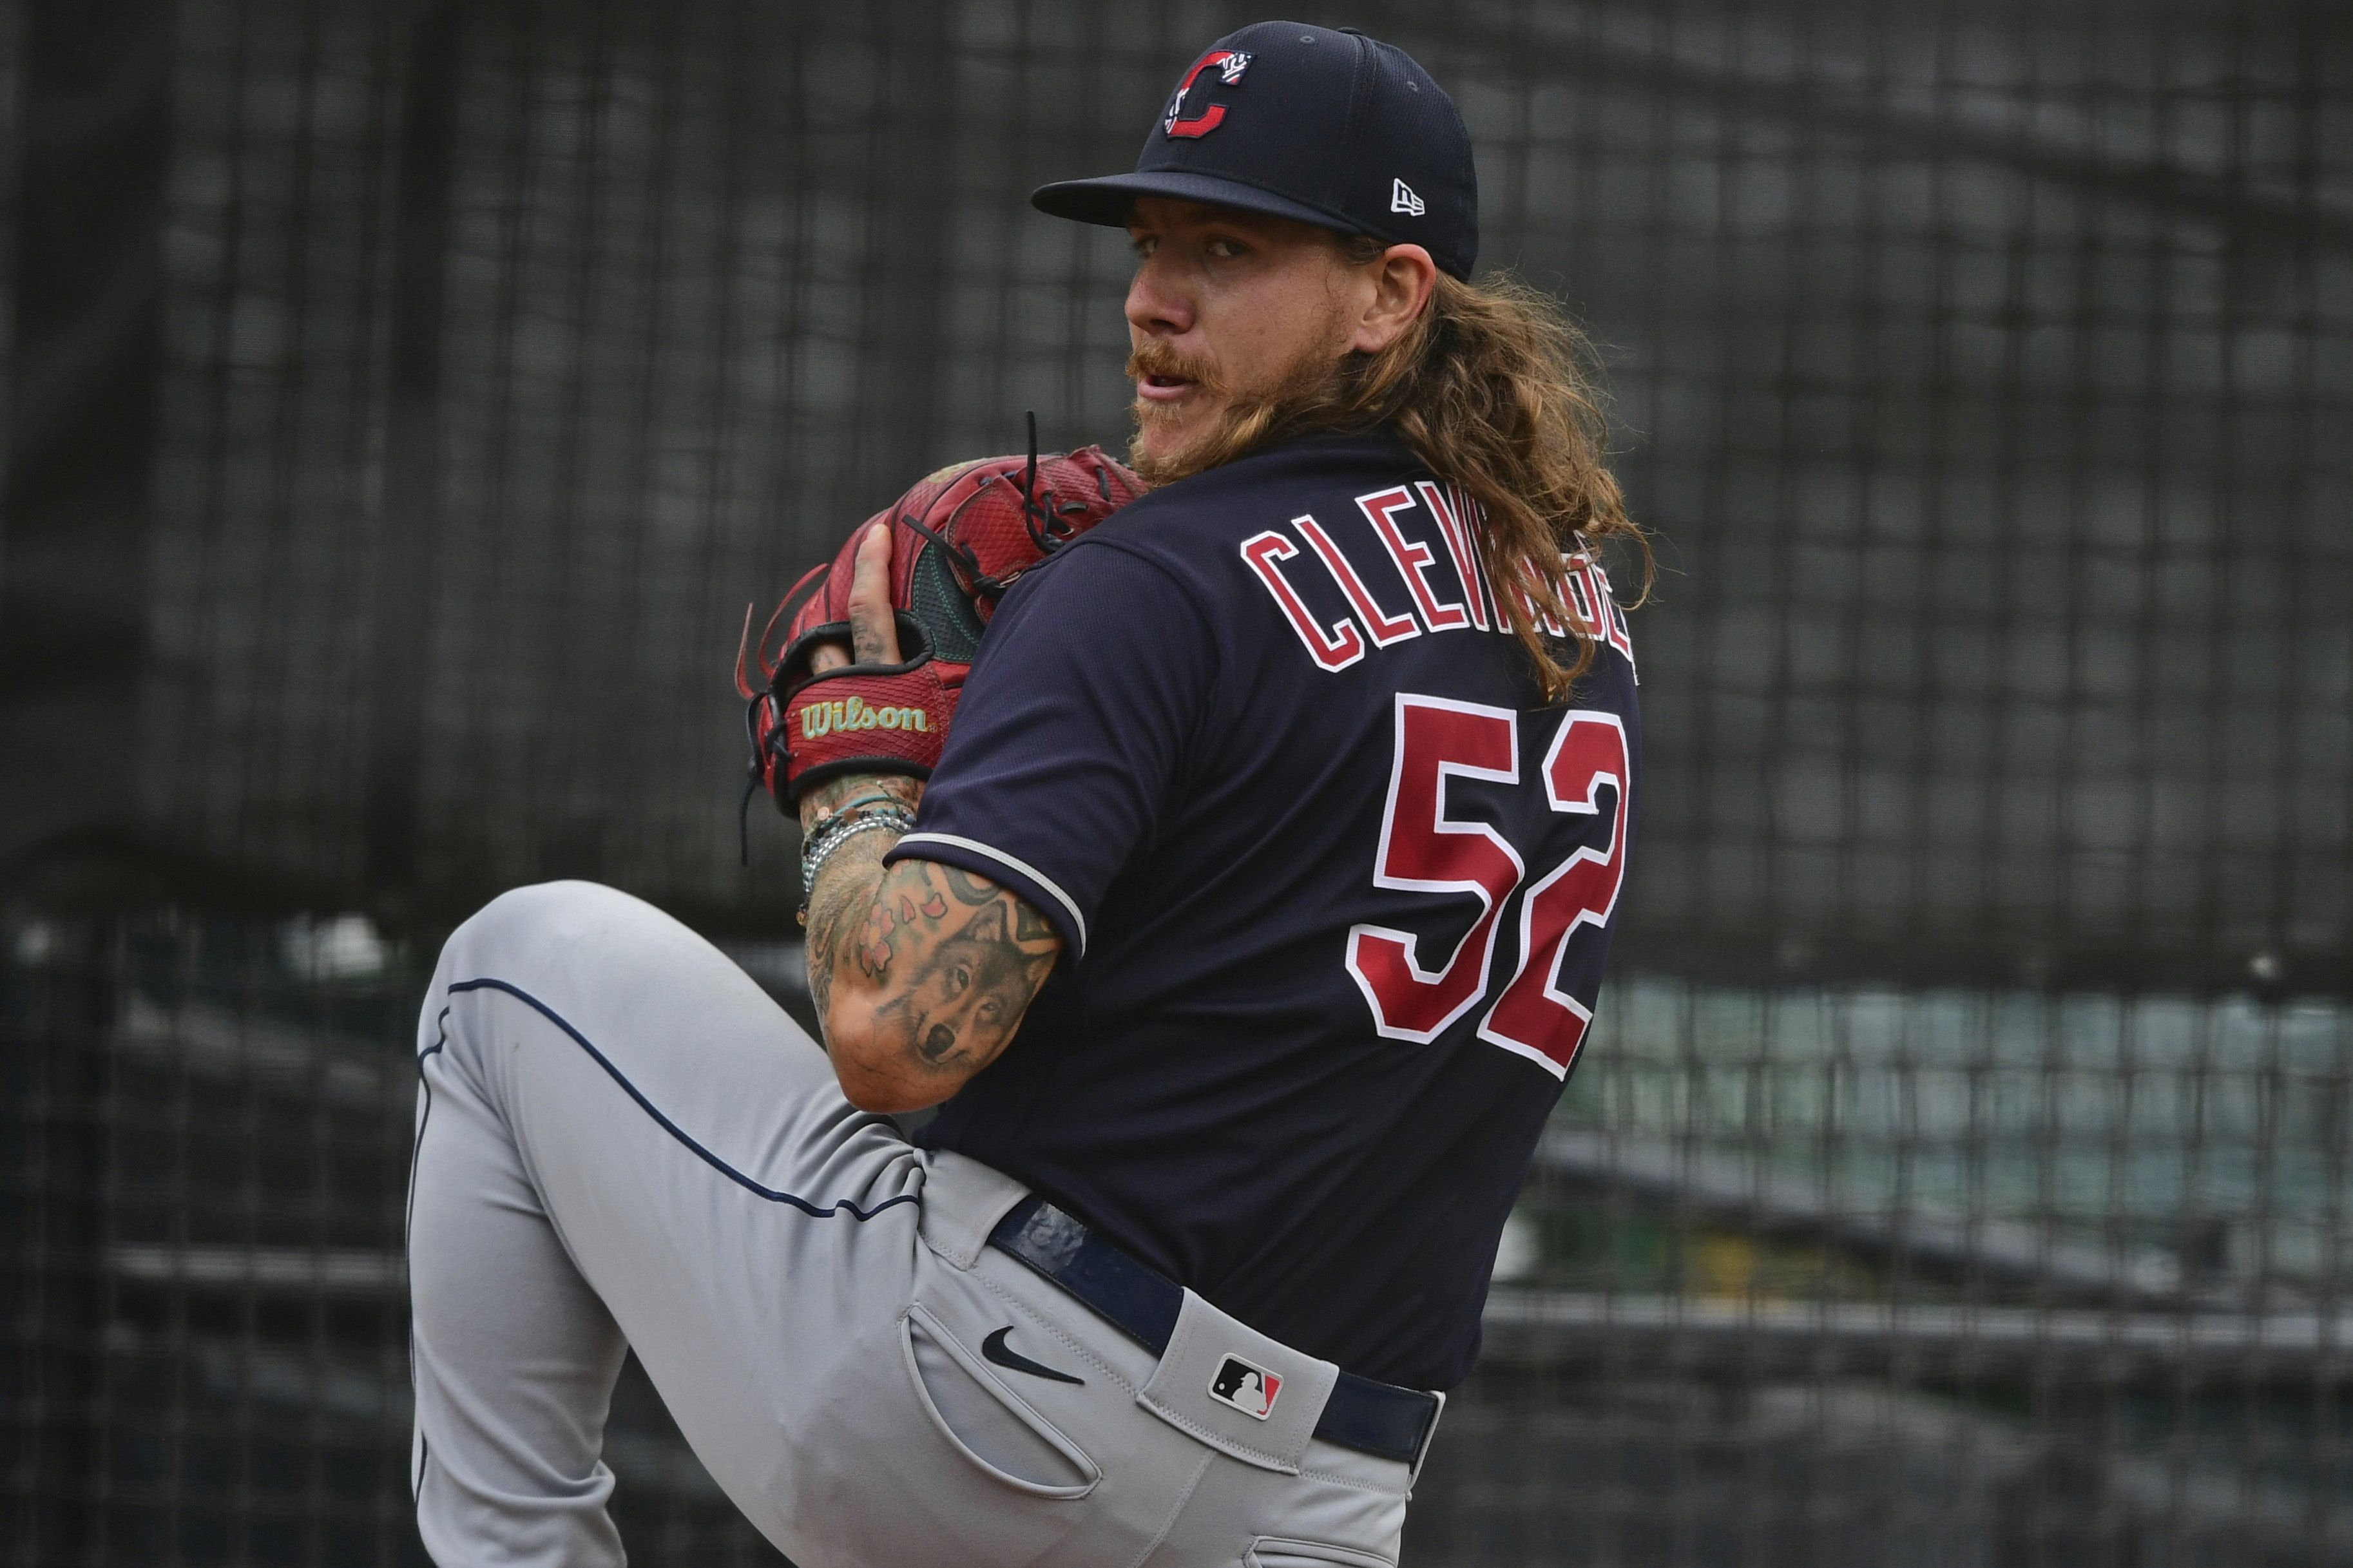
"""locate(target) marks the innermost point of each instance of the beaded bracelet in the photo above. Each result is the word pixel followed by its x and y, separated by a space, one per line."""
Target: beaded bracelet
pixel 826 836
pixel 813 864
pixel 837 830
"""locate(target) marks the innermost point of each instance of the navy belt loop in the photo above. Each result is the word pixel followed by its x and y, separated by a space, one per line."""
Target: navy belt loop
pixel 1377 1419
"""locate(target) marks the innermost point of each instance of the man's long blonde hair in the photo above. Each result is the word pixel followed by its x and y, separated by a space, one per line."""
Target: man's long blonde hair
pixel 1496 392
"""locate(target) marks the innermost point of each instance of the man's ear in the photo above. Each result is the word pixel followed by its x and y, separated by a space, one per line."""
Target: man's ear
pixel 1402 280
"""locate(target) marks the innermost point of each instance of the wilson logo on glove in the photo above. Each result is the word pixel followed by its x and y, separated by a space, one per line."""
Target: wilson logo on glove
pixel 959 539
pixel 819 719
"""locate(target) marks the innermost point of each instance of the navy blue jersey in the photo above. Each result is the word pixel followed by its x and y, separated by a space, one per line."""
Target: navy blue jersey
pixel 1334 890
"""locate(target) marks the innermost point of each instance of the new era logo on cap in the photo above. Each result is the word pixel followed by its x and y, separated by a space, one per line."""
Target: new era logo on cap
pixel 1247 1386
pixel 1403 200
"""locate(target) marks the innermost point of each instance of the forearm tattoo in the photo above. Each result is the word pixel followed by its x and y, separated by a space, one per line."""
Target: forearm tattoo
pixel 845 890
pixel 965 989
pixel 952 960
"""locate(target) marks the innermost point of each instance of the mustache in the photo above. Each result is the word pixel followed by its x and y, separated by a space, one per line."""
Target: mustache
pixel 1155 358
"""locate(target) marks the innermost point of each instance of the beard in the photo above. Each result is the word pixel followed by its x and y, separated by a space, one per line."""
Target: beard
pixel 1311 385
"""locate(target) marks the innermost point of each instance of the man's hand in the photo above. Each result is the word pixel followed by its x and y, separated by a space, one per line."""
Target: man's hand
pixel 873 633
pixel 921 972
pixel 875 640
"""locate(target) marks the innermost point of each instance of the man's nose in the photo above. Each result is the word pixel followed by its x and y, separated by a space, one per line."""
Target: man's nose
pixel 1158 304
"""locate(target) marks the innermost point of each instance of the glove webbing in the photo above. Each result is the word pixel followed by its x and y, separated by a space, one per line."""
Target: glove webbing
pixel 1036 517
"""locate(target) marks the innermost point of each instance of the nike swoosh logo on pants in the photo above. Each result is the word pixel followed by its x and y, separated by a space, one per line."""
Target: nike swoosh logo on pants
pixel 994 1349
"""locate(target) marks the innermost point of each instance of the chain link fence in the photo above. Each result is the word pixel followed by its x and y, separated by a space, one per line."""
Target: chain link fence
pixel 404 403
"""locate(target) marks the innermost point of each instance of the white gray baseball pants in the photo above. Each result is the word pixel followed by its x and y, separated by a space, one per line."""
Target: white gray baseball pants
pixel 623 1141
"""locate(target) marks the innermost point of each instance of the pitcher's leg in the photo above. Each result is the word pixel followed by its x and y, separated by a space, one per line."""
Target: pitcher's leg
pixel 513 1355
pixel 684 1147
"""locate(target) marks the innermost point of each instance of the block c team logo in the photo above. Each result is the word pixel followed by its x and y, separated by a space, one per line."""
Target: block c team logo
pixel 1230 63
pixel 1247 1386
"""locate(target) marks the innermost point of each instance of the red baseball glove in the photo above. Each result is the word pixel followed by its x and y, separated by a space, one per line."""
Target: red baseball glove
pixel 958 540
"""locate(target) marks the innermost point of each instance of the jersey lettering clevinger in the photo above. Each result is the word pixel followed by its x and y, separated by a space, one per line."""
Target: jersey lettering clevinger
pixel 1335 891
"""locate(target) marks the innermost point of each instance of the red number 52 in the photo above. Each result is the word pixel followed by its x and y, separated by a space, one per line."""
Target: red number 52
pixel 1423 851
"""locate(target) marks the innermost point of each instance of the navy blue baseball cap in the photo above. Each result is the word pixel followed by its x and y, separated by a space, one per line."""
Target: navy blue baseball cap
pixel 1330 128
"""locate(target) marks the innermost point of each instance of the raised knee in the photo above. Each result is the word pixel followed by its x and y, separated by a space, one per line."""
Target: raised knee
pixel 557 918
pixel 538 902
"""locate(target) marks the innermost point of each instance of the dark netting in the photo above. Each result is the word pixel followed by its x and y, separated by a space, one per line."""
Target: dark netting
pixel 1978 372
pixel 407 402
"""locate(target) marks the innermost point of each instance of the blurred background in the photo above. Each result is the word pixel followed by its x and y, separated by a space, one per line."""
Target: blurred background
pixel 403 403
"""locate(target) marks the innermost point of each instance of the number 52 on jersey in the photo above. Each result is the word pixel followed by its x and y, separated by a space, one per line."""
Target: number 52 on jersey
pixel 1416 993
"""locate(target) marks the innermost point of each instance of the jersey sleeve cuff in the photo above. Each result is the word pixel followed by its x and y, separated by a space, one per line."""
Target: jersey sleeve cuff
pixel 1062 910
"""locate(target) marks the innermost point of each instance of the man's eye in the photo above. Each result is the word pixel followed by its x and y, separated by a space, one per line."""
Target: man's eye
pixel 1227 249
pixel 1145 244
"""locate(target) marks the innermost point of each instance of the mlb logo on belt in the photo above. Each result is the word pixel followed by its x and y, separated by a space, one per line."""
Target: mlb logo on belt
pixel 1247 1386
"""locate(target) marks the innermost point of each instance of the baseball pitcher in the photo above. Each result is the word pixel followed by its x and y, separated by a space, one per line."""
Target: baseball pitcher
pixel 1230 846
